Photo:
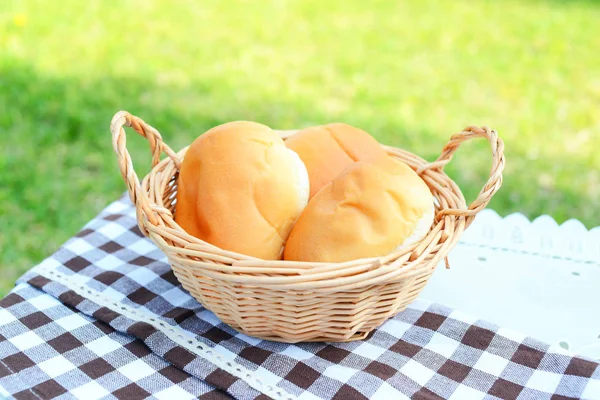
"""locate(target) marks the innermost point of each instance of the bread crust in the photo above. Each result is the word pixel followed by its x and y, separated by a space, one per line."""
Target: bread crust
pixel 241 189
pixel 327 150
pixel 368 210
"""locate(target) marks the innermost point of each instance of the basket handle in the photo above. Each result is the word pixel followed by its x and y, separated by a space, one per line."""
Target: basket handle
pixel 493 183
pixel 136 194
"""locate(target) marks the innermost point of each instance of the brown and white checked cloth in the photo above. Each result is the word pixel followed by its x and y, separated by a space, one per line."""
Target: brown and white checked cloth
pixel 104 317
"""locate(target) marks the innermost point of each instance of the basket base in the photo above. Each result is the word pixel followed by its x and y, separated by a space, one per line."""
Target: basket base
pixel 362 334
pixel 295 317
pixel 356 336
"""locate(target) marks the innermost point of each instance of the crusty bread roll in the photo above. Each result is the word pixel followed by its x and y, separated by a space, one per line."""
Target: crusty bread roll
pixel 241 189
pixel 326 150
pixel 369 210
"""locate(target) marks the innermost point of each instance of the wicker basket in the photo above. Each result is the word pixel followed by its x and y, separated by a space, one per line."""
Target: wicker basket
pixel 300 301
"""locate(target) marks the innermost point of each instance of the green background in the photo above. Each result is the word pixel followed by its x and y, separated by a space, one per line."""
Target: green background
pixel 412 73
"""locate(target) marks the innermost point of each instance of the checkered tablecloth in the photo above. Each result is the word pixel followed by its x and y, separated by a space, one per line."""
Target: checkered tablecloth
pixel 105 317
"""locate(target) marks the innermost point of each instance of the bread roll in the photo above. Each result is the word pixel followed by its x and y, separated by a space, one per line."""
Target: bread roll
pixel 369 210
pixel 241 189
pixel 326 150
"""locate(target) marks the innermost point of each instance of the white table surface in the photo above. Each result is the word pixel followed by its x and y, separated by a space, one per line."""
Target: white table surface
pixel 538 278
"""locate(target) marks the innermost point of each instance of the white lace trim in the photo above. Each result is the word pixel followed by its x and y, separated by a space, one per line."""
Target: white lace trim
pixel 570 241
pixel 263 384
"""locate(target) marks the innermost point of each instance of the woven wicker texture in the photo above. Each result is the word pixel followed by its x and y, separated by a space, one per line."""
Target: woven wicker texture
pixel 301 301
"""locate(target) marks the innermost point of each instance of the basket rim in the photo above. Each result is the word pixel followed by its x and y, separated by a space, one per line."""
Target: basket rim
pixel 301 276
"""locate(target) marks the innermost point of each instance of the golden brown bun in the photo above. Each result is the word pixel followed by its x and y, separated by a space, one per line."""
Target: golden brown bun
pixel 241 189
pixel 369 210
pixel 326 150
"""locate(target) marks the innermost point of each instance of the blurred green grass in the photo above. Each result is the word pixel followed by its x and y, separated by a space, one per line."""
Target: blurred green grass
pixel 411 73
